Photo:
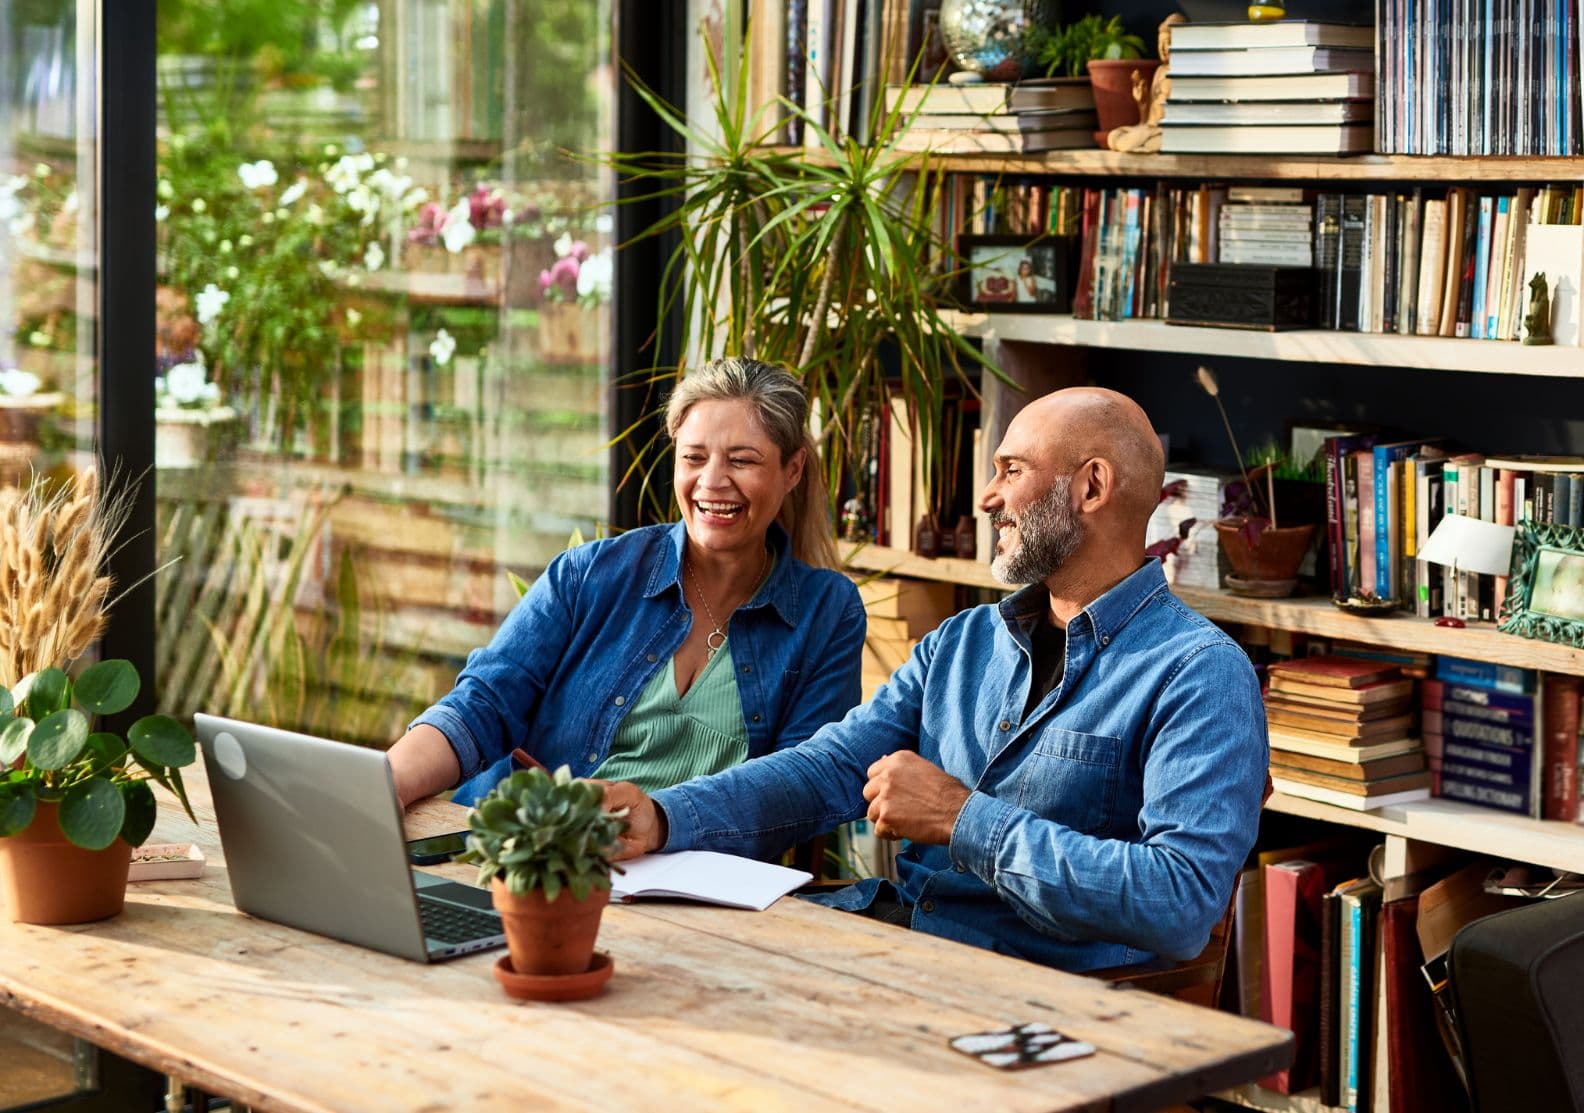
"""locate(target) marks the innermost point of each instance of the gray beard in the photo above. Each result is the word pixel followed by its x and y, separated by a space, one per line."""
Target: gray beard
pixel 1048 535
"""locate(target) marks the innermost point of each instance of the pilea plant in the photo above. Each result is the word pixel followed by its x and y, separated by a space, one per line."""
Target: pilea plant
pixel 537 830
pixel 50 753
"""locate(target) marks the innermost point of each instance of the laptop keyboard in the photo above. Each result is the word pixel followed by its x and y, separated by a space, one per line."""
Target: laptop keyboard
pixel 450 923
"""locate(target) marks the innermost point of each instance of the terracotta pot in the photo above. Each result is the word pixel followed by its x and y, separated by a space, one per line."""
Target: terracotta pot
pixel 1112 82
pixel 554 937
pixel 1274 558
pixel 44 879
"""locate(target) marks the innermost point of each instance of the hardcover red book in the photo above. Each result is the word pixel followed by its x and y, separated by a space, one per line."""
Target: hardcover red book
pixel 1335 672
pixel 1291 997
pixel 1421 1077
pixel 1083 290
pixel 1560 746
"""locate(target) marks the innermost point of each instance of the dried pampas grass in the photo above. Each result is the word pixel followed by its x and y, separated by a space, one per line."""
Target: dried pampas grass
pixel 55 541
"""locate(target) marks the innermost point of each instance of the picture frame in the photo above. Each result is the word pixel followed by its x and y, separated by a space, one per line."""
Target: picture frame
pixel 1545 589
pixel 1013 274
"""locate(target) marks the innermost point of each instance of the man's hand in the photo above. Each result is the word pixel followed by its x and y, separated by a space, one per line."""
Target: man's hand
pixel 646 826
pixel 912 798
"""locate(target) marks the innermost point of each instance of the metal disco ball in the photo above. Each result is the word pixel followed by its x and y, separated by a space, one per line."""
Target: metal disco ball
pixel 988 36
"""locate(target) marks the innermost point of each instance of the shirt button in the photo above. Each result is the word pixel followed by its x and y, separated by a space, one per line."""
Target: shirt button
pixel 747 668
pixel 1005 725
pixel 960 868
pixel 756 718
pixel 1105 639
pixel 620 700
pixel 928 906
pixel 651 658
pixel 593 757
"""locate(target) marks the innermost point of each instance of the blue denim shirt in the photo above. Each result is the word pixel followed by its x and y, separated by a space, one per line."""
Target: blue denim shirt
pixel 574 654
pixel 1103 829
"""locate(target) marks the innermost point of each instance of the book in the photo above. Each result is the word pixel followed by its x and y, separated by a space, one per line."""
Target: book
pixel 1485 674
pixel 1293 892
pixel 1269 62
pixel 1490 749
pixel 1351 786
pixel 1334 672
pixel 1379 691
pixel 1008 122
pixel 1291 87
pixel 990 97
pixel 1267 112
pixel 1421 1075
pixel 949 141
pixel 706 876
pixel 1248 139
pixel 1235 34
pixel 1411 761
pixel 1343 715
pixel 1326 795
pixel 1360 902
pixel 1560 747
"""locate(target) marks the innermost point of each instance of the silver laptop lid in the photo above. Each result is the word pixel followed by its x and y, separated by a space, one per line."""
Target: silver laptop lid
pixel 312 834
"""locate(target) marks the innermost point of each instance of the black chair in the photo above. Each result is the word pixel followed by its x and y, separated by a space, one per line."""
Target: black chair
pixel 1517 981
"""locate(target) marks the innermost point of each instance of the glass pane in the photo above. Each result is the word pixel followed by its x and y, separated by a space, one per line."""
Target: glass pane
pixel 48 251
pixel 384 317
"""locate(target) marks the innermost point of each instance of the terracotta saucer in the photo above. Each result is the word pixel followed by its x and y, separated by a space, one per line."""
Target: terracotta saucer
pixel 555 987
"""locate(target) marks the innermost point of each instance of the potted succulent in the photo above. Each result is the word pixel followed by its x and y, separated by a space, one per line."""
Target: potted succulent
pixel 1111 55
pixel 1263 553
pixel 544 844
pixel 74 798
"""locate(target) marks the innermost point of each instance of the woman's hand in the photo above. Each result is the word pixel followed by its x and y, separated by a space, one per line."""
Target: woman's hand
pixel 646 823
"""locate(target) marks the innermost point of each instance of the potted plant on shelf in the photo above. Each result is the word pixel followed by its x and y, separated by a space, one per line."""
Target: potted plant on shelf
pixel 75 798
pixel 1264 554
pixel 192 425
pixel 543 843
pixel 1112 56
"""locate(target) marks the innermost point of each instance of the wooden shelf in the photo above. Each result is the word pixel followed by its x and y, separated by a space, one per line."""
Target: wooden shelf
pixel 1434 353
pixel 1461 826
pixel 1303 616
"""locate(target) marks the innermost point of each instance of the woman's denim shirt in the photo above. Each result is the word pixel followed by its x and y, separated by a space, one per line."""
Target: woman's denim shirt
pixel 576 651
pixel 1105 826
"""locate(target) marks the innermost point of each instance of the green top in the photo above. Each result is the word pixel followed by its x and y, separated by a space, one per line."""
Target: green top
pixel 667 739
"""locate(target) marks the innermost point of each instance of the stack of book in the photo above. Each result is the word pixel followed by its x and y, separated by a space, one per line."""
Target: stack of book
pixel 994 118
pixel 1290 87
pixel 1489 734
pixel 1342 732
pixel 1272 225
pixel 1190 504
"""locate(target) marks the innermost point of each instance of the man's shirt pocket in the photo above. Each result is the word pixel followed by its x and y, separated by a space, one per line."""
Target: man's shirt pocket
pixel 1072 778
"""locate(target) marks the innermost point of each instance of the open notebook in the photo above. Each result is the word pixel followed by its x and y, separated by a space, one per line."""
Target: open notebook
pixel 707 876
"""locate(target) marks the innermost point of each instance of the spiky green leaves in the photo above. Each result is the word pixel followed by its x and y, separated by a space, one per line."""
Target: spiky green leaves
pixel 541 831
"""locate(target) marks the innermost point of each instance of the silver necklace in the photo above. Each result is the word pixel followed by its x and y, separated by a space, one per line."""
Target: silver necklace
pixel 717 636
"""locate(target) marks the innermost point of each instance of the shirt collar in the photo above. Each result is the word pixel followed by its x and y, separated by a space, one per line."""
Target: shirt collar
pixel 1107 614
pixel 780 591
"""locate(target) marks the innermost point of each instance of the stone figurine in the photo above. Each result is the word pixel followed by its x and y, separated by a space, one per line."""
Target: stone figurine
pixel 1144 137
pixel 1537 322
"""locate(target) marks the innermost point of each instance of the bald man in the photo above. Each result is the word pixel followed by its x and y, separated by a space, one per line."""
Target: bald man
pixel 1078 769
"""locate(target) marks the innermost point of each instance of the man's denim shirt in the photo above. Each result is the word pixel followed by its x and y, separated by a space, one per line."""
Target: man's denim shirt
pixel 576 651
pixel 1105 828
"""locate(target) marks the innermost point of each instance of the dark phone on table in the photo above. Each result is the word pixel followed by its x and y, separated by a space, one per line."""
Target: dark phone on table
pixel 436 848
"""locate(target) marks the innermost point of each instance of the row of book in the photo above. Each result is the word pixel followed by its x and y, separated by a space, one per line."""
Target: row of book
pixel 1286 87
pixel 993 118
pixel 1461 78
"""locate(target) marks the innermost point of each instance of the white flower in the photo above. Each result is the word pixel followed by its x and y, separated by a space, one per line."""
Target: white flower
pixel 374 256
pixel 563 245
pixel 603 222
pixel 161 212
pixel 211 300
pixel 225 247
pixel 442 347
pixel 353 317
pixel 185 382
pixel 258 175
pixel 199 205
pixel 232 273
pixel 595 276
pixel 244 240
pixel 458 231
pixel 294 191
pixel 17 383
pixel 72 203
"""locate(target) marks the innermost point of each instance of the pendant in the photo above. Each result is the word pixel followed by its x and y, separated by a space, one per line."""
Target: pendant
pixel 713 643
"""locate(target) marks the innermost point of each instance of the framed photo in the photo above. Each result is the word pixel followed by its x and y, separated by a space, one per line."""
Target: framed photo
pixel 1545 592
pixel 1009 274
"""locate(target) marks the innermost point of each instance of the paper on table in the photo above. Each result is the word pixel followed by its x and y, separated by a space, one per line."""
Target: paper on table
pixel 707 876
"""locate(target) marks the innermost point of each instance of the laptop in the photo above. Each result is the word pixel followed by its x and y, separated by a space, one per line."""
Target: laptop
pixel 313 838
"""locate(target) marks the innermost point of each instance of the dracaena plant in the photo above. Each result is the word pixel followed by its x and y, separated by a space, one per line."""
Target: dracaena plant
pixel 537 830
pixel 52 754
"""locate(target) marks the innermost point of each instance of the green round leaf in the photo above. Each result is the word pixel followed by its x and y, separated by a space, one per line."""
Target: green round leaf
pixel 91 813
pixel 161 740
pixel 140 807
pixel 107 687
pixel 17 804
pixel 47 693
pixel 58 739
pixel 14 739
pixel 7 704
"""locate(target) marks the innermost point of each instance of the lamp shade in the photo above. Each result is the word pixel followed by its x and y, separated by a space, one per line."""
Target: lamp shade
pixel 1470 544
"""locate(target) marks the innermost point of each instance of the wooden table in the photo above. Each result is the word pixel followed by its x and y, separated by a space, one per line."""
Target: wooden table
pixel 797 1008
